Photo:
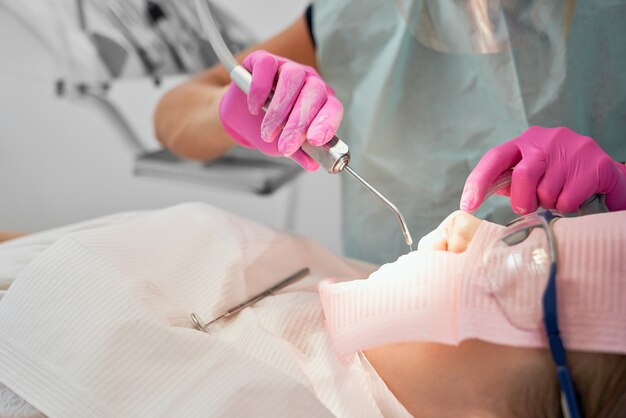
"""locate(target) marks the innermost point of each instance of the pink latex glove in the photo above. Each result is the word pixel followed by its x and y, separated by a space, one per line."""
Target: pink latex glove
pixel 302 108
pixel 554 168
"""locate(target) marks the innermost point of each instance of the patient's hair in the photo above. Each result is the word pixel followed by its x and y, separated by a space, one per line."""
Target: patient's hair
pixel 599 380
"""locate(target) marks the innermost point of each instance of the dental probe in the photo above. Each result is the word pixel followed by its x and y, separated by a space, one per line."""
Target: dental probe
pixel 254 299
pixel 334 156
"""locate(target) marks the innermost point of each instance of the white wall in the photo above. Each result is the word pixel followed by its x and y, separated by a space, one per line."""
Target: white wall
pixel 63 161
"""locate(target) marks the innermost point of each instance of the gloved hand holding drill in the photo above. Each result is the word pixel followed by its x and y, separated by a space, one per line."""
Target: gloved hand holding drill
pixel 303 108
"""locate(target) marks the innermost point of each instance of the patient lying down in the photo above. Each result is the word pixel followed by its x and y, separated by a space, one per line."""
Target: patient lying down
pixel 99 325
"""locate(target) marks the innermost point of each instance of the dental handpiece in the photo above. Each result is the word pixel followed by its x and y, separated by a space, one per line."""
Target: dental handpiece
pixel 334 156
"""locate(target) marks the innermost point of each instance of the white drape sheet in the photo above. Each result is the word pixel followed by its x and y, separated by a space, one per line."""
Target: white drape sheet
pixel 98 323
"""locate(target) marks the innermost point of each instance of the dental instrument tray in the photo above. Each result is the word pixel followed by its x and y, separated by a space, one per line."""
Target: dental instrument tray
pixel 239 169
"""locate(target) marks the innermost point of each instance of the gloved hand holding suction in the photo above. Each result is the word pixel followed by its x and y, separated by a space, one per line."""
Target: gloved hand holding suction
pixel 553 168
pixel 303 107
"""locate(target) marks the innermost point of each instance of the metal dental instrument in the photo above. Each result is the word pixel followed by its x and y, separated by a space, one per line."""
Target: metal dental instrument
pixel 405 228
pixel 334 156
pixel 200 325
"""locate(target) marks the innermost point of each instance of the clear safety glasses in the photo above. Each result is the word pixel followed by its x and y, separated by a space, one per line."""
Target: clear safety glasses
pixel 521 269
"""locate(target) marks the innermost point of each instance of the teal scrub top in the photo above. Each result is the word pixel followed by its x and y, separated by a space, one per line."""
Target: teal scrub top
pixel 417 119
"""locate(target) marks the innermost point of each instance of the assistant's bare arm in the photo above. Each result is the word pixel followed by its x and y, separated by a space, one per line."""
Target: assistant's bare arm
pixel 187 118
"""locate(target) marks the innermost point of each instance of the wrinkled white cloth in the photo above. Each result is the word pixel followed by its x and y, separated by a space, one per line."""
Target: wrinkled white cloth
pixel 15 254
pixel 11 405
pixel 98 324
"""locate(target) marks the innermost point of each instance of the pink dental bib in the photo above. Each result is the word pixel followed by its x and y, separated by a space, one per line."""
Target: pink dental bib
pixel 445 298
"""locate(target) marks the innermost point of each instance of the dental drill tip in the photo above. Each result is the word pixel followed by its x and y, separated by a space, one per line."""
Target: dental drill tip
pixel 405 229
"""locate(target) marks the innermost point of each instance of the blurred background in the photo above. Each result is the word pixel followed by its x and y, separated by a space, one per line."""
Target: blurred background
pixel 79 81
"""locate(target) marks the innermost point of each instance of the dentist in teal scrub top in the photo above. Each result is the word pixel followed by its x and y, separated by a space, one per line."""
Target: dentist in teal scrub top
pixel 421 90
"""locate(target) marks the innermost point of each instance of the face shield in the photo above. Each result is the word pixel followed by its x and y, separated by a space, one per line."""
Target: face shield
pixel 456 26
pixel 478 26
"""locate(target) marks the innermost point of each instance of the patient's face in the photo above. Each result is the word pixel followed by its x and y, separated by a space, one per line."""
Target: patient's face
pixel 474 379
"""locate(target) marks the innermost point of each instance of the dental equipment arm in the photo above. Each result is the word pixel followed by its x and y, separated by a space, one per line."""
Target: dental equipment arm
pixel 334 155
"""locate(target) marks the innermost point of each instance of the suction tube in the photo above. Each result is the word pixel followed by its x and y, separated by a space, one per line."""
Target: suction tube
pixel 210 28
